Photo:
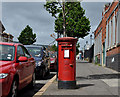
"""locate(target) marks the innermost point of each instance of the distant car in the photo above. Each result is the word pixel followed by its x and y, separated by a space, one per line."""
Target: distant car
pixel 53 61
pixel 16 68
pixel 42 60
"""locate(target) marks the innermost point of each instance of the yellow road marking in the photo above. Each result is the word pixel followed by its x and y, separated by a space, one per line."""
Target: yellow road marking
pixel 44 88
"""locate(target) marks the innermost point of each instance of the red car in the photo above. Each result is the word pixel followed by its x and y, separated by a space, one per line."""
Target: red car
pixel 53 62
pixel 16 69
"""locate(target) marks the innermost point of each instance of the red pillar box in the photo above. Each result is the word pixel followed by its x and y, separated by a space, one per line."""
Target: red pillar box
pixel 67 62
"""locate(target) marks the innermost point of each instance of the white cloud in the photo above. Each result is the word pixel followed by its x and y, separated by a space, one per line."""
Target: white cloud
pixel 17 15
pixel 23 0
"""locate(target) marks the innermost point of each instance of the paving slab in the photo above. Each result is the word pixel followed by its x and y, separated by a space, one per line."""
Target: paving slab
pixel 111 82
pixel 92 80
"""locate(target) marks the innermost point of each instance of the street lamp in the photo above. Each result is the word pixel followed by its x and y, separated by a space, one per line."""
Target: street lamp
pixel 84 50
pixel 91 39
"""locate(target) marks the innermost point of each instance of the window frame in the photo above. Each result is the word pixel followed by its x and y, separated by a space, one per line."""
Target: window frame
pixel 24 50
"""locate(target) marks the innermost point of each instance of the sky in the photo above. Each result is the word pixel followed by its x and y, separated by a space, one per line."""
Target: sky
pixel 17 15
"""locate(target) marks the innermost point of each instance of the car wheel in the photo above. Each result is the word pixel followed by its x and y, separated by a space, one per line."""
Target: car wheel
pixel 43 73
pixel 48 72
pixel 14 89
pixel 32 84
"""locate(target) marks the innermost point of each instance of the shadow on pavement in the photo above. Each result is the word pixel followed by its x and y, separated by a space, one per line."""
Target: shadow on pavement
pixel 83 85
pixel 100 76
pixel 82 62
pixel 49 77
pixel 53 70
pixel 29 92
pixel 45 78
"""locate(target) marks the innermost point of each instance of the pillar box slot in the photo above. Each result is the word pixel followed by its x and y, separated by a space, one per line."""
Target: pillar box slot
pixel 67 47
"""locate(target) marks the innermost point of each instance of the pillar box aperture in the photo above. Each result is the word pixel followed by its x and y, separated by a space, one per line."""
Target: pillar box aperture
pixel 67 62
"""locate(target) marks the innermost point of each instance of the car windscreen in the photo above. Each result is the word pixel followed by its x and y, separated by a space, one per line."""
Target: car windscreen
pixel 53 55
pixel 35 51
pixel 7 52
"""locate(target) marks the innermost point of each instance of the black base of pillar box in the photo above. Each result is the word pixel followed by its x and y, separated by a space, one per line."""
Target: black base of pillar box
pixel 66 84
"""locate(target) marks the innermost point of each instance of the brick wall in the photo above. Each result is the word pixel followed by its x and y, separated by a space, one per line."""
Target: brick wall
pixel 113 51
pixel 113 62
pixel 110 29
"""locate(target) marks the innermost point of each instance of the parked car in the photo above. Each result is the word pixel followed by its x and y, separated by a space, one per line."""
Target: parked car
pixel 16 68
pixel 42 60
pixel 53 61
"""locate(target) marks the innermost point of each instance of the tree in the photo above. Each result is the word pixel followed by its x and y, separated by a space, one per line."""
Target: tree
pixel 72 17
pixel 53 48
pixel 27 37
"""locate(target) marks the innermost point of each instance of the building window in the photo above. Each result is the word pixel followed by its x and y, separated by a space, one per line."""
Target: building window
pixel 108 34
pixel 111 33
pixel 115 29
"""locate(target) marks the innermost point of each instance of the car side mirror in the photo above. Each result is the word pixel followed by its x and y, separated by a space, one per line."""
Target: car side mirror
pixel 22 59
pixel 47 56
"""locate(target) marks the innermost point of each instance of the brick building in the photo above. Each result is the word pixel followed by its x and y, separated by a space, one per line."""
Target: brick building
pixel 107 37
pixel 5 37
pixel 2 28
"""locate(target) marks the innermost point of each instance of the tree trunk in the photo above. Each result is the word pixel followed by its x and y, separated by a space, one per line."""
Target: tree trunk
pixel 63 9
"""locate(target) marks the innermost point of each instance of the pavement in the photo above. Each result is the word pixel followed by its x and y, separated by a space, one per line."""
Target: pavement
pixel 92 81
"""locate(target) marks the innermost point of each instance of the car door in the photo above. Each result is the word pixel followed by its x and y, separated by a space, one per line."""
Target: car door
pixel 21 68
pixel 47 61
pixel 29 66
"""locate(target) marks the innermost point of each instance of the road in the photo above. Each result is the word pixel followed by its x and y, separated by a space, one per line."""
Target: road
pixel 39 83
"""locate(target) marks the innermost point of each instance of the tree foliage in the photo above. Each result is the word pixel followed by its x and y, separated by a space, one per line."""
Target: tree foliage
pixel 76 24
pixel 27 37
pixel 53 48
